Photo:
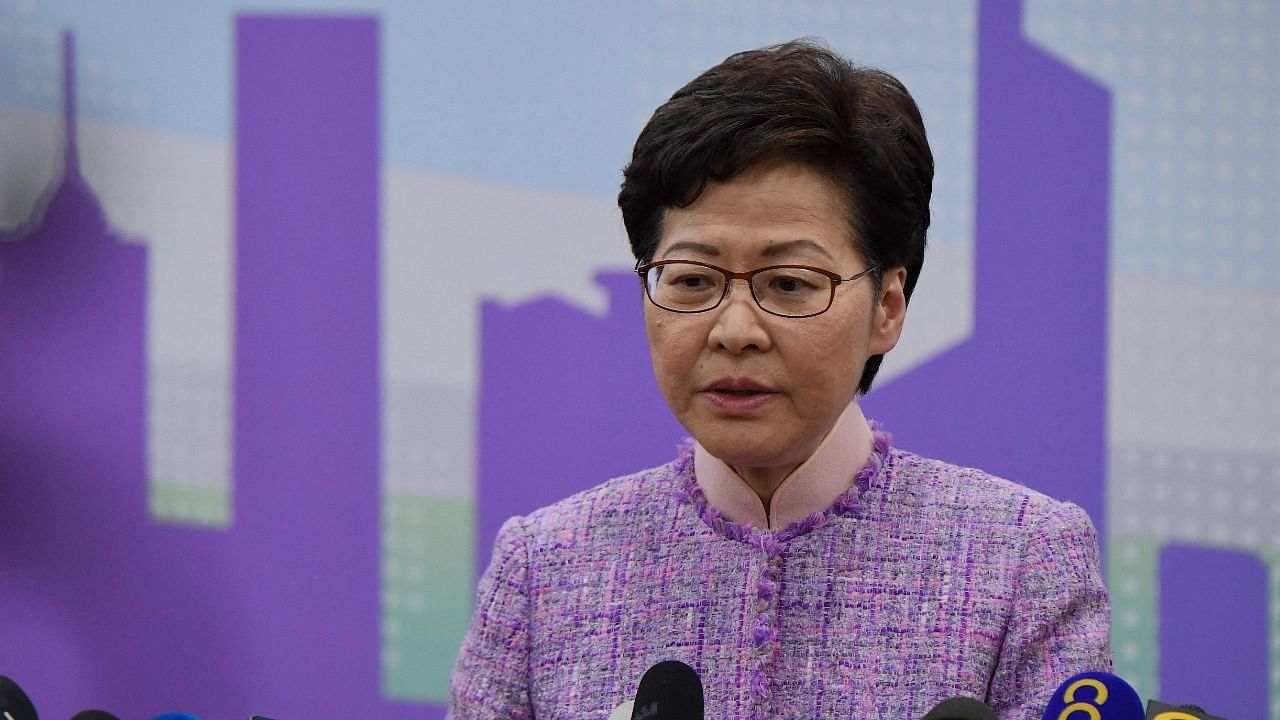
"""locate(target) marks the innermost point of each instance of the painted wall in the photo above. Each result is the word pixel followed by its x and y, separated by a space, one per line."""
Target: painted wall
pixel 300 300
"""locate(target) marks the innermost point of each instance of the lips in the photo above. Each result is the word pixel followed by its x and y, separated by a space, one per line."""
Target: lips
pixel 737 396
pixel 737 386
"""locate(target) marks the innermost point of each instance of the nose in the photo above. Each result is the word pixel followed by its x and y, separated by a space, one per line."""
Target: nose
pixel 739 323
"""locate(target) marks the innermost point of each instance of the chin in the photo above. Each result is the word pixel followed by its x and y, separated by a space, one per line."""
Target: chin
pixel 743 450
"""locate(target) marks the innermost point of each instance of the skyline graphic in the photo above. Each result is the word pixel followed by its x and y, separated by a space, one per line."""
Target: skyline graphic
pixel 1148 402
pixel 210 621
pixel 87 573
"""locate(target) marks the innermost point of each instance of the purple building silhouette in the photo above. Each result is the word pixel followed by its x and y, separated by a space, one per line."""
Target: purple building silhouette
pixel 1025 397
pixel 102 605
pixel 567 400
pixel 99 601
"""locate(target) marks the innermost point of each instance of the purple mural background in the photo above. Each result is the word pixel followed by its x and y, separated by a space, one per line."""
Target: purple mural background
pixel 1025 396
pixel 1214 630
pixel 102 605
pixel 279 614
pixel 97 597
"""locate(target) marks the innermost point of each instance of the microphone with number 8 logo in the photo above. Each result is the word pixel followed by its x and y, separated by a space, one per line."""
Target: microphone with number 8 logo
pixel 1094 696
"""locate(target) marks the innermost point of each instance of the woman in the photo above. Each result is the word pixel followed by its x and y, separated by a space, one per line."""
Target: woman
pixel 777 207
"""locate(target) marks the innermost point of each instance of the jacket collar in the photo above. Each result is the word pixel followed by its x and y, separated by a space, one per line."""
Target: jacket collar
pixel 810 488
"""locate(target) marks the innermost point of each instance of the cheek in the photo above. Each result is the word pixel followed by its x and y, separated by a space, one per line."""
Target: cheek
pixel 672 365
pixel 676 348
pixel 673 348
pixel 656 332
pixel 665 347
pixel 829 357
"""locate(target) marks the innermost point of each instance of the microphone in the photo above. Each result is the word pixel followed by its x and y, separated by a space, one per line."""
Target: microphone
pixel 1094 696
pixel 94 715
pixel 14 704
pixel 1157 710
pixel 961 708
pixel 669 690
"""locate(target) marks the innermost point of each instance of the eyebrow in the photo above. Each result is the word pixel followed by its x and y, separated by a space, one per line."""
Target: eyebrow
pixel 799 244
pixel 774 250
pixel 691 245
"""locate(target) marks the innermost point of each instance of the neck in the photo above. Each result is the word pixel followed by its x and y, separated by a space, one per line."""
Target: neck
pixel 747 494
pixel 765 481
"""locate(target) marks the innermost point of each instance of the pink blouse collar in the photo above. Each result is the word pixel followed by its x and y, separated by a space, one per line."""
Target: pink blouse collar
pixel 810 488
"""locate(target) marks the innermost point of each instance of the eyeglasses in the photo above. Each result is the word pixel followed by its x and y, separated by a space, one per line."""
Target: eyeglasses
pixel 792 291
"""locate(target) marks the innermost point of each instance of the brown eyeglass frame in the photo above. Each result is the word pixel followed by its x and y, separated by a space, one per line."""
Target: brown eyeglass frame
pixel 836 280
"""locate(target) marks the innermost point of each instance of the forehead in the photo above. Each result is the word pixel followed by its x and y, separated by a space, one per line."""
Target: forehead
pixel 781 209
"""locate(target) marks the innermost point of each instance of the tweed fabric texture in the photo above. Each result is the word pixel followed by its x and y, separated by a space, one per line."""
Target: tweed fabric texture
pixel 922 582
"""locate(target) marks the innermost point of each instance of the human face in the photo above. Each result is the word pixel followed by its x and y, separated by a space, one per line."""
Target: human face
pixel 758 391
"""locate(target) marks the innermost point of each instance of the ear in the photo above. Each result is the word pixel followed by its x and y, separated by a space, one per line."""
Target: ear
pixel 890 312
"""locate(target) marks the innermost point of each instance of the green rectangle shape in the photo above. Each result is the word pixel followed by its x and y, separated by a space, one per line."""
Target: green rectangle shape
pixel 428 586
pixel 188 504
pixel 1132 578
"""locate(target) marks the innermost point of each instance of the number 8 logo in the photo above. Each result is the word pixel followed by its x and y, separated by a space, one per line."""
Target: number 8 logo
pixel 1090 709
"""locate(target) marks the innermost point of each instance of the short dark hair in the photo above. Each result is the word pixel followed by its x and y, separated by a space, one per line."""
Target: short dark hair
pixel 801 102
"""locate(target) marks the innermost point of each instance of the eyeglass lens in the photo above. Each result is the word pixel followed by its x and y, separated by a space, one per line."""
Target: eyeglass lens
pixel 687 287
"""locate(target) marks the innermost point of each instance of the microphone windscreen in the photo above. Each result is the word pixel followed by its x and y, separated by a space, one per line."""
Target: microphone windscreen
pixel 1157 710
pixel 669 690
pixel 94 715
pixel 15 702
pixel 1083 694
pixel 961 708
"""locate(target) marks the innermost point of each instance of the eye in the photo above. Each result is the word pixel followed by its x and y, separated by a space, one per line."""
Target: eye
pixel 792 283
pixel 691 280
pixel 688 279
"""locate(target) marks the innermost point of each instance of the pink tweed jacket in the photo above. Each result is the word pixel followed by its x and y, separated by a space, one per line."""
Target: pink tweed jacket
pixel 922 582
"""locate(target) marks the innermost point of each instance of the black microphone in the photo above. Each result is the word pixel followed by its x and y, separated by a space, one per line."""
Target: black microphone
pixel 1157 710
pixel 14 704
pixel 961 708
pixel 94 715
pixel 669 690
pixel 1094 696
